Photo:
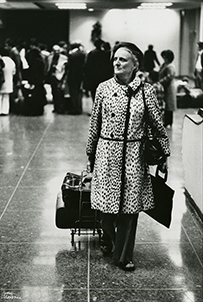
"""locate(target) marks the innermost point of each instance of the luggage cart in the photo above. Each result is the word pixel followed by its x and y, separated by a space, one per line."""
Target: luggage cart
pixel 73 208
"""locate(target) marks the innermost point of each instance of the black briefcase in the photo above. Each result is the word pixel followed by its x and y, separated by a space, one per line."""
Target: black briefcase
pixel 163 197
pixel 70 189
pixel 73 206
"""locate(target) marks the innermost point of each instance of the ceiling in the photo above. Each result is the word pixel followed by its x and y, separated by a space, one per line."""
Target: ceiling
pixel 95 4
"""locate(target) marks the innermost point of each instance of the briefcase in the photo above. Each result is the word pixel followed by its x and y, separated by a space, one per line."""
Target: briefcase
pixel 73 206
pixel 71 190
pixel 163 198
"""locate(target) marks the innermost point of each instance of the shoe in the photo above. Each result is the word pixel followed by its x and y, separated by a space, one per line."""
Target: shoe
pixel 129 267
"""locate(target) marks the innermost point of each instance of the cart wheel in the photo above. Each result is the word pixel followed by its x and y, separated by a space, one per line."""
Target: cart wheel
pixel 72 236
pixel 99 233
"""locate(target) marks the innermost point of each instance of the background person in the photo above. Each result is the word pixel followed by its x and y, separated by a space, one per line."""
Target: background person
pixel 75 72
pixel 98 68
pixel 9 70
pixel 14 53
pixel 199 67
pixel 34 94
pixel 56 71
pixel 121 185
pixel 150 58
pixel 153 79
pixel 167 79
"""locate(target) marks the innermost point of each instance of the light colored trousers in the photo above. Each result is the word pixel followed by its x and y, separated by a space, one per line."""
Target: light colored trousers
pixel 4 103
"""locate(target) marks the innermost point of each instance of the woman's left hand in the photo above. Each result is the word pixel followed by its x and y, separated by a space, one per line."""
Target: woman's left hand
pixel 164 166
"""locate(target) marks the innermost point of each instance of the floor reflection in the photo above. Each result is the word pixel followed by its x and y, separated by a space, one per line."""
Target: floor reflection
pixel 40 262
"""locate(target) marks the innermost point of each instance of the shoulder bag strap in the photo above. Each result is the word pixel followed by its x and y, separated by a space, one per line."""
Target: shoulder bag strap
pixel 145 106
pixel 149 126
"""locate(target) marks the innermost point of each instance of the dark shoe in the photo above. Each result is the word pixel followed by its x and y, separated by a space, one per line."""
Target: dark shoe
pixel 129 267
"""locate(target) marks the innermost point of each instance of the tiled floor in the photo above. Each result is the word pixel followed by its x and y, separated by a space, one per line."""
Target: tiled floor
pixel 38 263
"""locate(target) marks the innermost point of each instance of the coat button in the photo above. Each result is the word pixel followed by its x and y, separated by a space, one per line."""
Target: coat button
pixel 112 135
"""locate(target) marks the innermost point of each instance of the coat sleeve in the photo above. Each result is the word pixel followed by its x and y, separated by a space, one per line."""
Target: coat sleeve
pixel 95 124
pixel 156 121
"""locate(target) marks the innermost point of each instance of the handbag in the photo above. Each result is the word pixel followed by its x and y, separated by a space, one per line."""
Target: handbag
pixel 153 153
pixel 163 198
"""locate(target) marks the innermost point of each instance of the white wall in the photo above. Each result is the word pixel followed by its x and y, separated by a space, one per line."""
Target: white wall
pixel 142 27
pixel 201 24
pixel 192 150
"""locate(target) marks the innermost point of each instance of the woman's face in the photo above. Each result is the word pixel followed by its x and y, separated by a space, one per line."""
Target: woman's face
pixel 165 59
pixel 124 63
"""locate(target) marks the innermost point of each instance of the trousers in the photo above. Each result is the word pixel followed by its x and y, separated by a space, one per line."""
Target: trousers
pixel 119 231
pixel 168 118
pixel 4 103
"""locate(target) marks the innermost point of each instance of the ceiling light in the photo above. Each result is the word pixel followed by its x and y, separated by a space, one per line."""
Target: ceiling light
pixel 155 5
pixel 70 5
pixel 2 1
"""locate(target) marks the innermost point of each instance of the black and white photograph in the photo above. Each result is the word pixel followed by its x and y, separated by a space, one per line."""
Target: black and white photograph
pixel 101 151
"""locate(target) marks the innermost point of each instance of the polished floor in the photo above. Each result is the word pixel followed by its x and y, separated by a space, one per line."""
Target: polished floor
pixel 38 263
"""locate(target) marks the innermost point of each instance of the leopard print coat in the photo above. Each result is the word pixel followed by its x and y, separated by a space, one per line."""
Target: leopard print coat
pixel 105 144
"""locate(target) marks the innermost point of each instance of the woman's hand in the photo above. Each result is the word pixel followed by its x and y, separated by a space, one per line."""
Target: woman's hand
pixel 89 166
pixel 88 177
pixel 163 167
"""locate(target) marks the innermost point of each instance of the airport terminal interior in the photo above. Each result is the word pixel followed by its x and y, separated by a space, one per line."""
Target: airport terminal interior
pixel 40 259
pixel 40 262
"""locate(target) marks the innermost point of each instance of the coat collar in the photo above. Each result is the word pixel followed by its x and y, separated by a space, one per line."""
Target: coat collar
pixel 133 84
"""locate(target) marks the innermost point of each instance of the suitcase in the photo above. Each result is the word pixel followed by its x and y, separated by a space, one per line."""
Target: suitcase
pixel 73 208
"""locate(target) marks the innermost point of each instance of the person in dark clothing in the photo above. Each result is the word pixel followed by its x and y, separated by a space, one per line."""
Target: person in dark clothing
pixel 56 71
pixel 76 61
pixel 98 68
pixel 150 58
pixel 34 91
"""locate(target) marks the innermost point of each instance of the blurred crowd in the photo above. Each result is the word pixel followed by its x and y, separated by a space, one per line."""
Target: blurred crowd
pixel 71 71
pixel 26 68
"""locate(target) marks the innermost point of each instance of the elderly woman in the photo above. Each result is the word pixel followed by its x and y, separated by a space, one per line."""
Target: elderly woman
pixel 121 183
